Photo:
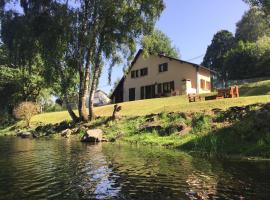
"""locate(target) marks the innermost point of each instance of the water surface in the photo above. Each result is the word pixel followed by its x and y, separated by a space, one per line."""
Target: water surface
pixel 67 169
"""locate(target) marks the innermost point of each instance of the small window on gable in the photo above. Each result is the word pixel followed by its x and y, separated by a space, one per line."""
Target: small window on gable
pixel 163 67
pixel 137 73
pixel 144 72
pixel 132 74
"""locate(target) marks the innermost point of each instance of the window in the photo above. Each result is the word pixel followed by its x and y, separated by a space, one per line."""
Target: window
pixel 163 67
pixel 144 72
pixel 150 91
pixel 132 74
pixel 160 88
pixel 208 85
pixel 137 73
pixel 203 84
pixel 168 87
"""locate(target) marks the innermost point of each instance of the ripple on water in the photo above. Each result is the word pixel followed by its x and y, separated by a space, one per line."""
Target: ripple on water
pixel 65 169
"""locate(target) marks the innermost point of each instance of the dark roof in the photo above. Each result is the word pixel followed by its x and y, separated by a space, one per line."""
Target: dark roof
pixel 121 80
pixel 161 55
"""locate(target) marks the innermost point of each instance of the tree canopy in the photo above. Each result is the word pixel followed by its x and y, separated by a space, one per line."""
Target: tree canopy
pixel 249 59
pixel 67 45
pixel 252 26
pixel 222 42
pixel 158 42
pixel 263 4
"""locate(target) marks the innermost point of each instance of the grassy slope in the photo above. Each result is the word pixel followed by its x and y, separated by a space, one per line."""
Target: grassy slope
pixel 252 92
pixel 170 104
pixel 222 140
pixel 254 88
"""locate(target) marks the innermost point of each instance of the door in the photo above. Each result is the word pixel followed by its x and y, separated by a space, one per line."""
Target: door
pixel 150 92
pixel 131 94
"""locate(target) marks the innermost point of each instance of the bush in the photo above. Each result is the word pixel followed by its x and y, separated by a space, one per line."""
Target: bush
pixel 6 120
pixel 25 111
pixel 54 108
pixel 200 123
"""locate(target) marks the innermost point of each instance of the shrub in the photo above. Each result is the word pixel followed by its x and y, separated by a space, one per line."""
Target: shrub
pixel 25 111
pixel 200 123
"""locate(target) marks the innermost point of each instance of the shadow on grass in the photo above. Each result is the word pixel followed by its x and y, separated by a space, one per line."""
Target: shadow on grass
pixel 247 135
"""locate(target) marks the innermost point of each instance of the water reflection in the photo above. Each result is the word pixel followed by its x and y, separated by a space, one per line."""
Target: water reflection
pixel 67 169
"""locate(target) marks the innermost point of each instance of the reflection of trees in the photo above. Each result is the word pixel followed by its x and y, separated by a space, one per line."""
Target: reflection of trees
pixel 67 169
pixel 150 173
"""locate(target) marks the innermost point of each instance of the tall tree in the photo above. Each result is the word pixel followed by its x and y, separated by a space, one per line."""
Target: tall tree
pixel 263 4
pixel 252 26
pixel 222 42
pixel 112 31
pixel 98 31
pixel 249 59
pixel 158 42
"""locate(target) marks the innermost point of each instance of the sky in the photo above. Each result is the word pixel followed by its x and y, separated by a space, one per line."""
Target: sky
pixel 191 24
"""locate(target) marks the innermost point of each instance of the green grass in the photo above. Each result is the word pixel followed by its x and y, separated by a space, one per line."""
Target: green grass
pixel 145 107
pixel 246 137
pixel 255 88
pixel 254 91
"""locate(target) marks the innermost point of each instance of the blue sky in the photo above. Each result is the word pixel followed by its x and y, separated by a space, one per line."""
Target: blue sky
pixel 191 25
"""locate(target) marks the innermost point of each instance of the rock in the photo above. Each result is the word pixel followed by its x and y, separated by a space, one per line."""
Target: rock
pixel 180 127
pixel 75 131
pixel 66 133
pixel 94 135
pixel 24 134
pixel 185 131
pixel 105 140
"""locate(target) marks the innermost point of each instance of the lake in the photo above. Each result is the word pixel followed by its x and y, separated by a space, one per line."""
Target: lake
pixel 68 169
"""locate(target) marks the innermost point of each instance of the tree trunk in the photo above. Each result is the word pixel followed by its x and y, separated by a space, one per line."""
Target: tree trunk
pixel 80 94
pixel 85 90
pixel 81 52
pixel 64 92
pixel 70 111
pixel 92 94
pixel 93 88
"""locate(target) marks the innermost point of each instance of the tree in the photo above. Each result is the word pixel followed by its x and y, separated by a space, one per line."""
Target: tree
pixel 157 42
pixel 25 111
pixel 252 26
pixel 222 42
pixel 262 4
pixel 81 39
pixel 21 63
pixel 249 59
pixel 104 31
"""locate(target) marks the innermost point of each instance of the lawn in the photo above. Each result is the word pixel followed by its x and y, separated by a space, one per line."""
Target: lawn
pixel 170 104
pixel 255 88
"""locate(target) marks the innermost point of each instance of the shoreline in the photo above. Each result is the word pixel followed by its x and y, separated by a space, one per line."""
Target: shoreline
pixel 242 132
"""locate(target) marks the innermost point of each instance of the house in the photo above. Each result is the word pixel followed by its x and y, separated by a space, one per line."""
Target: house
pixel 161 76
pixel 100 99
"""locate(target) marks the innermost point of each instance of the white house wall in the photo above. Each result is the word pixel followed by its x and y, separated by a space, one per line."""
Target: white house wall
pixel 177 71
